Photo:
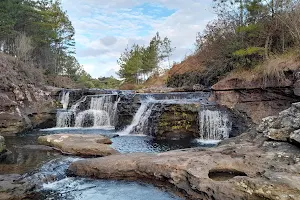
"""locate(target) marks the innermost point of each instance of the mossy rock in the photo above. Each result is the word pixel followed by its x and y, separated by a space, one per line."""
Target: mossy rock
pixel 178 122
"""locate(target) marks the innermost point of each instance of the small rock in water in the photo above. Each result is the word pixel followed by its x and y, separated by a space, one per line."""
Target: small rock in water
pixel 81 145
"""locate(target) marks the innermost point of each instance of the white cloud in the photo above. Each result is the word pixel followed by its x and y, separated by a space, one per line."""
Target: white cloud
pixel 105 28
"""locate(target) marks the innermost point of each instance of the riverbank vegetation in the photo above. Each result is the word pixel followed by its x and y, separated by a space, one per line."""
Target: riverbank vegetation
pixel 40 35
pixel 247 35
pixel 138 63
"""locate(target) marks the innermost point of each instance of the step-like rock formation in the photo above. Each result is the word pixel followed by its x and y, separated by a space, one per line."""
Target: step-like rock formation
pixel 254 98
pixel 250 166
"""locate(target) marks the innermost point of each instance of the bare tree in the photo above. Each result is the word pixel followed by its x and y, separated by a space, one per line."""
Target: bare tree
pixel 291 19
pixel 23 48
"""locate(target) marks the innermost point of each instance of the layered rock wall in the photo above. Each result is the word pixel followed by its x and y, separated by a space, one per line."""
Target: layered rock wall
pixel 24 102
pixel 253 99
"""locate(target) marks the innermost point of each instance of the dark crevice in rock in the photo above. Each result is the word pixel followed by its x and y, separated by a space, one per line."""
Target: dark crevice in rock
pixel 224 174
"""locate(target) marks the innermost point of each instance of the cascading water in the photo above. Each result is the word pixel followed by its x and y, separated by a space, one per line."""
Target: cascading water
pixel 95 118
pixel 65 99
pixel 64 119
pixel 104 103
pixel 77 104
pixel 101 112
pixel 140 120
pixel 214 125
pixel 115 109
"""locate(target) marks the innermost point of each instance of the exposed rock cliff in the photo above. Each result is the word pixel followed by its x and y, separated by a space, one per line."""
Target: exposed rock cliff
pixel 24 102
pixel 253 97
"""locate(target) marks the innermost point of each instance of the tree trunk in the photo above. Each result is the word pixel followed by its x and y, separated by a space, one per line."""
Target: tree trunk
pixel 267 46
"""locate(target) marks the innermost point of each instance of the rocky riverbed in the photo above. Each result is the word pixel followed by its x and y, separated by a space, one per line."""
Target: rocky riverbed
pixel 252 166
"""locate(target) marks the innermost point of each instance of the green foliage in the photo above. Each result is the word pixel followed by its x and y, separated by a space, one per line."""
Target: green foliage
pixel 137 62
pixel 245 33
pixel 247 29
pixel 249 52
pixel 87 81
pixel 49 31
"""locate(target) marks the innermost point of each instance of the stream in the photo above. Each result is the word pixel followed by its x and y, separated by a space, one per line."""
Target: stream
pixel 48 168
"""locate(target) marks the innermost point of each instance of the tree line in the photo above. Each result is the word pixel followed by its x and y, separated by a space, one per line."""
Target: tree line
pixel 245 34
pixel 40 34
pixel 137 62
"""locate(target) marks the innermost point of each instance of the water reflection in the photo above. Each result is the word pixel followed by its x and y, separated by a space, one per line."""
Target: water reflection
pixel 49 167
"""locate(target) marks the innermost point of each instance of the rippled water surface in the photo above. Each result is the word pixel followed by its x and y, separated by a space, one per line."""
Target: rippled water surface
pixel 51 166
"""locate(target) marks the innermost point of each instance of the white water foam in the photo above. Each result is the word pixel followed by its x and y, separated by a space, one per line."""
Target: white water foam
pixel 102 111
pixel 201 141
pixel 214 125
pixel 65 99
pixel 100 118
pixel 140 120
pixel 77 104
pixel 64 119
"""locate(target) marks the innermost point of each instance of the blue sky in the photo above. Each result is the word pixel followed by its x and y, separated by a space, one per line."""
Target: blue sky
pixel 104 28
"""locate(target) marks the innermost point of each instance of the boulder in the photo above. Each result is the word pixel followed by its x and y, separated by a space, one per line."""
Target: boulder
pixel 81 145
pixel 285 127
pixel 235 170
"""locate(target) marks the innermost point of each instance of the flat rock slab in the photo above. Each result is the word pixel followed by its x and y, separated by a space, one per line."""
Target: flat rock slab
pixel 228 172
pixel 81 145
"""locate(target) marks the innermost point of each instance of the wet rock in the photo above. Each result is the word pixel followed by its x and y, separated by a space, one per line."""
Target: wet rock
pixel 232 171
pixel 126 109
pixel 13 186
pixel 2 144
pixel 81 145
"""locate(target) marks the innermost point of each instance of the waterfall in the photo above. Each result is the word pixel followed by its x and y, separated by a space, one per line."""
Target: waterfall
pixel 102 111
pixel 65 99
pixel 115 109
pixel 77 104
pixel 214 125
pixel 64 119
pixel 140 123
pixel 140 119
pixel 94 118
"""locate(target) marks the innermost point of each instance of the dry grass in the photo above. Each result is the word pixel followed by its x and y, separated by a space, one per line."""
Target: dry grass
pixel 271 72
pixel 156 81
pixel 17 72
pixel 190 64
pixel 62 82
